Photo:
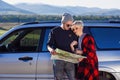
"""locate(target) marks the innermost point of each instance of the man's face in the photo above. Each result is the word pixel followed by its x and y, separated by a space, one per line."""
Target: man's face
pixel 67 25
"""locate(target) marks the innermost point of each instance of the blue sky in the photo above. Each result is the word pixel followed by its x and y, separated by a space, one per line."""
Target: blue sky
pixel 105 4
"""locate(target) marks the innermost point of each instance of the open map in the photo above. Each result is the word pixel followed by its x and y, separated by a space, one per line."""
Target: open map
pixel 66 56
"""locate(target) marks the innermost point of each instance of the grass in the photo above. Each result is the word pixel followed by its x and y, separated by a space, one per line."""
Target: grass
pixel 2 32
pixel 6 26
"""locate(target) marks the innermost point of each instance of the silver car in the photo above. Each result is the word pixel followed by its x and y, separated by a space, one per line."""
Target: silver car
pixel 24 55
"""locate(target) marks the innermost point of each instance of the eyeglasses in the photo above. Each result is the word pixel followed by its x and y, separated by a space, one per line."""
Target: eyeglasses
pixel 73 29
pixel 68 25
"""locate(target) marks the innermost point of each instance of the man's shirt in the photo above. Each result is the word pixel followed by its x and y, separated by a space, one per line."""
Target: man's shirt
pixel 61 39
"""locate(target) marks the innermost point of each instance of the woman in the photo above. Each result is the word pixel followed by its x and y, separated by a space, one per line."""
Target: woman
pixel 88 67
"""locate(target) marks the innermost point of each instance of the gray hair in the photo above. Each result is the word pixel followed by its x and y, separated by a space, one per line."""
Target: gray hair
pixel 78 22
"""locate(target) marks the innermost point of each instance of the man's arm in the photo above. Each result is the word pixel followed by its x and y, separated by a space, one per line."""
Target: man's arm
pixel 51 43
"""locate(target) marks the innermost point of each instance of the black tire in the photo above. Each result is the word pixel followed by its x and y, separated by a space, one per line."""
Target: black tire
pixel 106 76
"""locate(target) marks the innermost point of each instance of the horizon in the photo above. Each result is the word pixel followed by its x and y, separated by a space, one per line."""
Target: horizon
pixel 111 4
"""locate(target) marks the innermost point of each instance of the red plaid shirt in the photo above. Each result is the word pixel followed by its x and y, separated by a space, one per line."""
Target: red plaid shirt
pixel 88 67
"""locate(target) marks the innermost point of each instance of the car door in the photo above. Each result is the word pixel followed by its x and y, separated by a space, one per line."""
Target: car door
pixel 45 64
pixel 18 54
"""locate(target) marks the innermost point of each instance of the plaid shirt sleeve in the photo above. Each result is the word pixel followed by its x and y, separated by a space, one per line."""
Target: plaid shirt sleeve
pixel 88 68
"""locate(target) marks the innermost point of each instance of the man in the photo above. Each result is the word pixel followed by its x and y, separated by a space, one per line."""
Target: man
pixel 61 37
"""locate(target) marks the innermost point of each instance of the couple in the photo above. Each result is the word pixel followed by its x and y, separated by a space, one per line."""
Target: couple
pixel 66 38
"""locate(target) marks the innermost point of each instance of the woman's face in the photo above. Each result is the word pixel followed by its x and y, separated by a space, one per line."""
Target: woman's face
pixel 77 29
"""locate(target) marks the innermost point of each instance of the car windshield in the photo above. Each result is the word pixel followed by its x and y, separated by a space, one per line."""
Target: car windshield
pixel 106 38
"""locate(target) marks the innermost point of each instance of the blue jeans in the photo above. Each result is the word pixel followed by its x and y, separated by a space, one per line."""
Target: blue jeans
pixel 62 67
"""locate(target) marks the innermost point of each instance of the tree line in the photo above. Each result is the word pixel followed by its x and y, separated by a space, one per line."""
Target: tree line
pixel 32 18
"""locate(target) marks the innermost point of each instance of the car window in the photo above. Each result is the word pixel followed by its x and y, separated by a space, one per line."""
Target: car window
pixel 106 38
pixel 24 40
pixel 30 41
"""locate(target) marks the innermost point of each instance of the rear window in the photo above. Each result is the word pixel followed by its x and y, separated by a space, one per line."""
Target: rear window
pixel 106 38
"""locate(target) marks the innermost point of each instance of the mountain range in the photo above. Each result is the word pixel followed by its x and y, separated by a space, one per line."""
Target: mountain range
pixel 45 9
pixel 6 9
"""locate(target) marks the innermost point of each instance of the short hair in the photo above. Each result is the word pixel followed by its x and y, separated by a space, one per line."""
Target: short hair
pixel 78 22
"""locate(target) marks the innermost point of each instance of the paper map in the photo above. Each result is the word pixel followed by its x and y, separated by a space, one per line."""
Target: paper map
pixel 66 56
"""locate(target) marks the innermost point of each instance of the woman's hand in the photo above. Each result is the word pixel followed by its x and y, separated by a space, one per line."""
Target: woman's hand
pixel 77 51
pixel 73 44
pixel 80 59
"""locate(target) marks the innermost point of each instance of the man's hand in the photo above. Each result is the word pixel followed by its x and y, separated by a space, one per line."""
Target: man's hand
pixel 53 52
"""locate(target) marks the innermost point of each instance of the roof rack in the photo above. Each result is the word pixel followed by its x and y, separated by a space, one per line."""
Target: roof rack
pixel 96 21
pixel 114 21
pixel 41 22
pixel 89 21
pixel 30 23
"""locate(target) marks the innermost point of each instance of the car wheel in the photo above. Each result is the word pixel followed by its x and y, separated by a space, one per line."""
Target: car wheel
pixel 106 76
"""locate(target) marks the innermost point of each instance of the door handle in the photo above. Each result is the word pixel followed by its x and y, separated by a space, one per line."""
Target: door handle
pixel 26 58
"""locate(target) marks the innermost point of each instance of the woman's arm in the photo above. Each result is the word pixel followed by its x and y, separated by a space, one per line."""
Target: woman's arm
pixel 72 45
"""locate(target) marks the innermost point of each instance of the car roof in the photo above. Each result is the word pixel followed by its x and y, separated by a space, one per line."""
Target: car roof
pixel 58 23
pixel 101 24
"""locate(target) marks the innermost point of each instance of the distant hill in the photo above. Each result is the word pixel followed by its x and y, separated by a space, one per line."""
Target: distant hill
pixel 44 9
pixel 6 9
pixel 75 10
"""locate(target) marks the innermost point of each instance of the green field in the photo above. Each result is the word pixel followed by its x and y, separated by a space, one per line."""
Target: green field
pixel 2 32
pixel 6 26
